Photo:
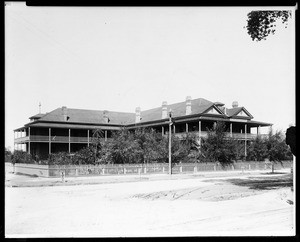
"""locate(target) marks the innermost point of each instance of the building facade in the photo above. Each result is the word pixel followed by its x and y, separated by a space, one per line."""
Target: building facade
pixel 65 129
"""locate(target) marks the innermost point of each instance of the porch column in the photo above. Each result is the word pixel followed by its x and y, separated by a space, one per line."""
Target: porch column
pixel 69 140
pixel 88 136
pixel 258 130
pixel 245 141
pixel 231 130
pixel 49 140
pixel 174 128
pixel 162 130
pixel 200 133
pixel 29 140
pixel 105 135
pixel 187 127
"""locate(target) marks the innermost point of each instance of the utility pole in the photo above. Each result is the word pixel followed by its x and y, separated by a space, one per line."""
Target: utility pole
pixel 170 140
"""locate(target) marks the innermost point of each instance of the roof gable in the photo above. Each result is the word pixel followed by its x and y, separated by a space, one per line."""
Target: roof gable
pixel 239 112
pixel 214 110
pixel 242 113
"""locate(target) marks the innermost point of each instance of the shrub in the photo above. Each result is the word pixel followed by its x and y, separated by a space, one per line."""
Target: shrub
pixel 8 155
pixel 60 158
pixel 20 156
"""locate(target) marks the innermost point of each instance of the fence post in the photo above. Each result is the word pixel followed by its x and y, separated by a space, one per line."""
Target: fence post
pixel 76 172
pixel 124 170
pixel 180 169
pixel 249 167
pixel 139 169
pixel 215 168
pixel 195 169
pixel 103 171
pixel 232 167
pixel 163 169
pixel 63 176
pixel 145 169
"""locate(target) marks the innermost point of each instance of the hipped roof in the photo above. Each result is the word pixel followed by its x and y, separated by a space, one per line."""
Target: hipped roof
pixel 88 116
pixel 96 117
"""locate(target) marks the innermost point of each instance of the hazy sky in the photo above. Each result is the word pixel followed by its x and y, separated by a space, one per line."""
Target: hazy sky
pixel 119 58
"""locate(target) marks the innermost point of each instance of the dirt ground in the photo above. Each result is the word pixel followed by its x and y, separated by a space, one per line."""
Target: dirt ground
pixel 233 204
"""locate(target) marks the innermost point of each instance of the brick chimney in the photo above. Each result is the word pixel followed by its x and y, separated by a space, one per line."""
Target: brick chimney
pixel 235 104
pixel 105 116
pixel 188 106
pixel 64 113
pixel 164 113
pixel 137 115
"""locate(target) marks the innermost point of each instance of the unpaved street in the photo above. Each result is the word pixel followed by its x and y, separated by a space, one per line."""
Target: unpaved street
pixel 248 205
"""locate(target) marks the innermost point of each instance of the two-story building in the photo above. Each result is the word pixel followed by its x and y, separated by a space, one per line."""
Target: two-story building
pixel 68 129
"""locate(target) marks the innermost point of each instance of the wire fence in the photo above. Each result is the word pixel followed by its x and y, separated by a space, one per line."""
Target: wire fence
pixel 102 170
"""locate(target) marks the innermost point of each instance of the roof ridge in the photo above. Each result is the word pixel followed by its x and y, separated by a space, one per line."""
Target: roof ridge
pixel 83 109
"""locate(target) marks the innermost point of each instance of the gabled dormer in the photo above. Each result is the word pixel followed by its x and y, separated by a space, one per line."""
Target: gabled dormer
pixel 213 109
pixel 238 112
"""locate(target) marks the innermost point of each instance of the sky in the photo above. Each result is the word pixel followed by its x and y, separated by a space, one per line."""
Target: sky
pixel 120 58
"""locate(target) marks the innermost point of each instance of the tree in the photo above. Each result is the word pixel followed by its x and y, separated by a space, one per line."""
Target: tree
pixel 257 150
pixel 84 156
pixel 217 147
pixel 97 140
pixel 277 149
pixel 121 149
pixel 184 150
pixel 262 23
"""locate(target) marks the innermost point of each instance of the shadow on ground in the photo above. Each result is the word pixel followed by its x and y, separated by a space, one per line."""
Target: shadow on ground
pixel 263 183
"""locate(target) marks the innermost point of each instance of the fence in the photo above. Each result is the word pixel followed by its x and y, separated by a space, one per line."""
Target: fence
pixel 160 168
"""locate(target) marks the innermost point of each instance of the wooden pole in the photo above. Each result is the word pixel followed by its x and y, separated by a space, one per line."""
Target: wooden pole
pixel 170 140
pixel 200 134
pixel 49 140
pixel 29 140
pixel 245 141
pixel 69 140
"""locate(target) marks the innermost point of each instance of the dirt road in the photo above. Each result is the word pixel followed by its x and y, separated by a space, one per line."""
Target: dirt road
pixel 253 204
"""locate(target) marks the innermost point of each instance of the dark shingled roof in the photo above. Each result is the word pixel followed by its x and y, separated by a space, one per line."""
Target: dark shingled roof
pixel 88 116
pixel 198 105
pixel 83 116
pixel 39 115
pixel 233 111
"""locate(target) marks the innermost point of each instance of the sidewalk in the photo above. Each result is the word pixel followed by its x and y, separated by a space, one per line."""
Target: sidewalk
pixel 13 180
